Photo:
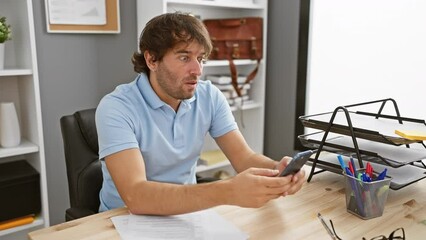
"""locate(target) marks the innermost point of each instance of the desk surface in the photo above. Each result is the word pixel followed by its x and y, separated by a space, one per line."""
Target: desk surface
pixel 292 217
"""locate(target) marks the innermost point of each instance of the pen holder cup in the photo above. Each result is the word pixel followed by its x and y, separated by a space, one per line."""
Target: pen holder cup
pixel 366 199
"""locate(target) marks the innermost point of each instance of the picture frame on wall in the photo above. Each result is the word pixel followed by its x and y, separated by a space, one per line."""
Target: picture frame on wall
pixel 73 16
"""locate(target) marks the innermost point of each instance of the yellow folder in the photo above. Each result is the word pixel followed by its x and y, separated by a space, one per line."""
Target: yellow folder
pixel 411 134
pixel 16 222
pixel 213 157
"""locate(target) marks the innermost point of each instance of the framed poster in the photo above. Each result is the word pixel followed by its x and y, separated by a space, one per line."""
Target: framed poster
pixel 74 16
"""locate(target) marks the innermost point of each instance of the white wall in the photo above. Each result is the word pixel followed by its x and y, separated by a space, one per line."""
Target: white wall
pixel 363 50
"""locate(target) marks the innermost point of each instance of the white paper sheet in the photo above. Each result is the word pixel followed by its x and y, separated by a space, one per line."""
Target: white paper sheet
pixel 202 225
pixel 81 12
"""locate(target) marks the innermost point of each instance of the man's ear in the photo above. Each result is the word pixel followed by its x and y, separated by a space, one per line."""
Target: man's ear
pixel 151 61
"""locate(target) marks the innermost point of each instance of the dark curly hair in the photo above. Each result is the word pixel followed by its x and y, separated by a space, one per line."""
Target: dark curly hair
pixel 163 32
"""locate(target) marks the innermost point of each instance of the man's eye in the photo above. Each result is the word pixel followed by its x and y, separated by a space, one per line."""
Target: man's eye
pixel 184 58
pixel 201 60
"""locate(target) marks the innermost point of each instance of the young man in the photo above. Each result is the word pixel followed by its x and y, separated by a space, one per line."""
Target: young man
pixel 151 131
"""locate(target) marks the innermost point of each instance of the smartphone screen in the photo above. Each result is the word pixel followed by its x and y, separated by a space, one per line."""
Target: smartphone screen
pixel 297 163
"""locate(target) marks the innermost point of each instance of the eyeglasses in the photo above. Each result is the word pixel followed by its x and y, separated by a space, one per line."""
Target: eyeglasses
pixel 397 234
pixel 333 233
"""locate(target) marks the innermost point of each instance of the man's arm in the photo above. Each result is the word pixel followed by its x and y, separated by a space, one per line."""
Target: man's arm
pixel 251 188
pixel 241 155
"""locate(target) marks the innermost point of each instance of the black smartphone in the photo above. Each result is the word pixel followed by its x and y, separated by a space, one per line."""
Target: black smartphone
pixel 297 163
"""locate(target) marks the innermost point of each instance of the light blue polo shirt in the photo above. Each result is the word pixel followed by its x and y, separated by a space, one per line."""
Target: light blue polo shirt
pixel 133 116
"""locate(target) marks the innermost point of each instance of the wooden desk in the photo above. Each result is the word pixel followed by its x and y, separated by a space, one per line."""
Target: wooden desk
pixel 292 217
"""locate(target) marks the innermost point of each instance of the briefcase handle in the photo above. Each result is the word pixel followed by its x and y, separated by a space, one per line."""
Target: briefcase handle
pixel 232 22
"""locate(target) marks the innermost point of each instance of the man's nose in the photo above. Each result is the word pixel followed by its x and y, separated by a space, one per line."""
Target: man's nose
pixel 196 68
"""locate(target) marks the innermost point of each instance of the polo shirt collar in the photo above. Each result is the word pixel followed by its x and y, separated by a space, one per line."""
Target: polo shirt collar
pixel 152 98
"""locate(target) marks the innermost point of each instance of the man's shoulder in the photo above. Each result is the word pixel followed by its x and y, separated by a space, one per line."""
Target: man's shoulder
pixel 206 88
pixel 123 92
pixel 121 98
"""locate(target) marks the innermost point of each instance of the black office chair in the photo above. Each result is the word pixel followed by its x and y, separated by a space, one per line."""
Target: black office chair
pixel 83 165
pixel 82 161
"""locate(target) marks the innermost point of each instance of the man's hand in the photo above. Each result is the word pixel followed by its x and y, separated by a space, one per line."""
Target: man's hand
pixel 255 187
pixel 297 180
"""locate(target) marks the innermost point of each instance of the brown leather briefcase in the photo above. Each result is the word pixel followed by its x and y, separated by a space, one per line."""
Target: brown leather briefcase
pixel 236 38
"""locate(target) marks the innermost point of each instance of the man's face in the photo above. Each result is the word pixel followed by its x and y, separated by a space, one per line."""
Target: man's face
pixel 176 76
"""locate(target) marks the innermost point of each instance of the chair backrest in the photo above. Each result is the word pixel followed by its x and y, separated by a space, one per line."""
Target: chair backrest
pixel 82 160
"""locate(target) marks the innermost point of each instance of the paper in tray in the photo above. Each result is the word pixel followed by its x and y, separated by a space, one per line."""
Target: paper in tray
pixel 366 126
pixel 401 177
pixel 394 156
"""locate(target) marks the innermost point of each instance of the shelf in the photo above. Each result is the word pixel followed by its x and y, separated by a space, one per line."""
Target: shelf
pixel 24 148
pixel 218 3
pixel 204 168
pixel 19 83
pixel 214 159
pixel 246 107
pixel 15 72
pixel 37 222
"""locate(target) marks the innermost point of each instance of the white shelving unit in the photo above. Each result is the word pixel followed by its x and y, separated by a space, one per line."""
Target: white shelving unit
pixel 19 83
pixel 251 117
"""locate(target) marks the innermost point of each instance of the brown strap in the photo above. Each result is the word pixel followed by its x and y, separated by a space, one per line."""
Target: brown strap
pixel 253 73
pixel 234 76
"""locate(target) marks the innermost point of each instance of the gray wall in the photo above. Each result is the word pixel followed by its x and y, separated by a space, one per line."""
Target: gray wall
pixel 76 70
pixel 281 75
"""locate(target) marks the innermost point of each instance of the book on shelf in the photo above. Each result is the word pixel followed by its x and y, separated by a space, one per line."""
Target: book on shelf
pixel 242 100
pixel 233 94
pixel 238 100
pixel 225 79
pixel 208 158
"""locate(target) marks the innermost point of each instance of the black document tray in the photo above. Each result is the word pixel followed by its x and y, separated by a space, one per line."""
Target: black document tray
pixel 377 152
pixel 366 126
pixel 375 133
pixel 401 177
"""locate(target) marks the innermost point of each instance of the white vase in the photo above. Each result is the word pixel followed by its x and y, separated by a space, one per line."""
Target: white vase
pixel 1 56
pixel 10 134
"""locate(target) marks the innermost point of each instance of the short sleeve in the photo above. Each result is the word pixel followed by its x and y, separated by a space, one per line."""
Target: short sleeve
pixel 114 126
pixel 223 120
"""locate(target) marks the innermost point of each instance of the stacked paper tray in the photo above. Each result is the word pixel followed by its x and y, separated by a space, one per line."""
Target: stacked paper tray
pixel 401 177
pixel 366 126
pixel 377 152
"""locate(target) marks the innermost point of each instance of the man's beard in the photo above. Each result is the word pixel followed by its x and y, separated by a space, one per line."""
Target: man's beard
pixel 172 86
